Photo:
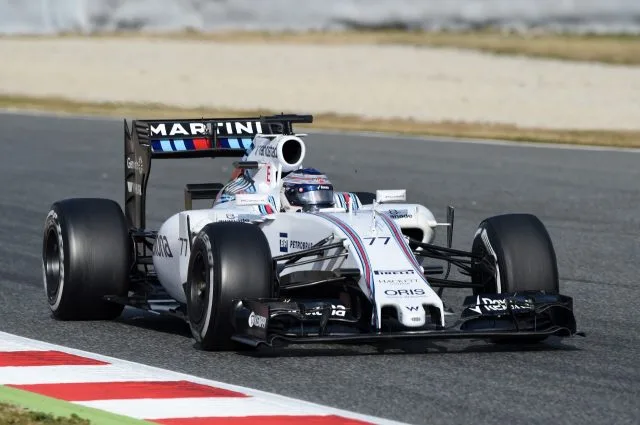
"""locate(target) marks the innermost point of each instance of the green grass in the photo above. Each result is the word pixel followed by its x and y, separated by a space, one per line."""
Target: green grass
pixel 337 122
pixel 10 414
pixel 19 407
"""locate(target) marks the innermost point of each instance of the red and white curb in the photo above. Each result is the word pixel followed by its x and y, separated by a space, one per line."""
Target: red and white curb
pixel 149 393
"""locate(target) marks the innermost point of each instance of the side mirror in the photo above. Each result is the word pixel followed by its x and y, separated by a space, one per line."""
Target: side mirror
pixel 387 196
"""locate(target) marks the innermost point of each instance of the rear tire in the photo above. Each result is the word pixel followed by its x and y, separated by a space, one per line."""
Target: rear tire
pixel 229 260
pixel 85 256
pixel 525 259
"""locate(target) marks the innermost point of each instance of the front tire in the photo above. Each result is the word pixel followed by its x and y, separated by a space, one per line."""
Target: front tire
pixel 229 261
pixel 85 256
pixel 524 256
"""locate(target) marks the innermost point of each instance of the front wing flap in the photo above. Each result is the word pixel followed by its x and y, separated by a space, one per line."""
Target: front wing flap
pixel 487 316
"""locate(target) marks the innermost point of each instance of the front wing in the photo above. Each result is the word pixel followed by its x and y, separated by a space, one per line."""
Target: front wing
pixel 490 316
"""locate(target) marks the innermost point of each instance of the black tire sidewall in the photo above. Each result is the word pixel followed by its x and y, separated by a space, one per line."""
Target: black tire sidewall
pixel 239 253
pixel 203 250
pixel 54 229
pixel 524 253
pixel 96 258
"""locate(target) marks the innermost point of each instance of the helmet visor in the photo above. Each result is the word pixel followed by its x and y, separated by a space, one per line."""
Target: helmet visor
pixel 315 197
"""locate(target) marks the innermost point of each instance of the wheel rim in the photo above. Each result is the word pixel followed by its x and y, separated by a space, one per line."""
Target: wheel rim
pixel 198 289
pixel 483 272
pixel 53 265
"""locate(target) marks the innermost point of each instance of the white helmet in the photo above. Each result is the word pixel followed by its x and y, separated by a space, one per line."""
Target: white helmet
pixel 306 189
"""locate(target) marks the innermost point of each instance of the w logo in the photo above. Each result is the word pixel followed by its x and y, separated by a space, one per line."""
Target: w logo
pixel 412 307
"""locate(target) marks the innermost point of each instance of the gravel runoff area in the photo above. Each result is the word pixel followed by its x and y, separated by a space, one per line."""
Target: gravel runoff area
pixel 426 84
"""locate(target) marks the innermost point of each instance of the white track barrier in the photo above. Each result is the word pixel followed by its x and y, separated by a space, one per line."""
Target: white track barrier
pixel 51 16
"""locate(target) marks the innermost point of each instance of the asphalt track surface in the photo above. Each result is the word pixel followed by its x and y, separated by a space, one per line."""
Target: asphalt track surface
pixel 588 199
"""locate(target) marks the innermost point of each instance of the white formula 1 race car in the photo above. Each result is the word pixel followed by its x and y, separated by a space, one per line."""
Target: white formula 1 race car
pixel 280 257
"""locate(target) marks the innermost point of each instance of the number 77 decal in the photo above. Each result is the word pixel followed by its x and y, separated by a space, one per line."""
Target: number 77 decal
pixel 373 239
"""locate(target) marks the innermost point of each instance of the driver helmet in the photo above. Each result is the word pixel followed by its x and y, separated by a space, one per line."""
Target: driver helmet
pixel 306 189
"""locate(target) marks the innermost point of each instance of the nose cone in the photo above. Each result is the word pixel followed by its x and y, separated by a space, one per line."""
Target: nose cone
pixel 412 315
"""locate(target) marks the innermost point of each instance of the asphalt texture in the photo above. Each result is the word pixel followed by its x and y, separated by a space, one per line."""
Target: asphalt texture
pixel 589 201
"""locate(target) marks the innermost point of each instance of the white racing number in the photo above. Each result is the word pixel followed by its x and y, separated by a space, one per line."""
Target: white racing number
pixel 379 240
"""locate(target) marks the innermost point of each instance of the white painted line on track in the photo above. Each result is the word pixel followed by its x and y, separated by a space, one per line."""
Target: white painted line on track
pixel 491 142
pixel 365 134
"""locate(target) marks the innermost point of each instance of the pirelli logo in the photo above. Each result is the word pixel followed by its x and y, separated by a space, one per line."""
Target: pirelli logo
pixel 394 272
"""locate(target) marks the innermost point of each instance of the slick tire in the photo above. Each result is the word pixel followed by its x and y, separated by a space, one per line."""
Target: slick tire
pixel 228 261
pixel 524 255
pixel 85 256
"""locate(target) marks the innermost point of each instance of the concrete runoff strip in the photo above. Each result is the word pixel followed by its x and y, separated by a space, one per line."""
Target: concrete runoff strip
pixel 39 403
pixel 622 49
pixel 613 49
pixel 607 138
pixel 374 82
pixel 34 372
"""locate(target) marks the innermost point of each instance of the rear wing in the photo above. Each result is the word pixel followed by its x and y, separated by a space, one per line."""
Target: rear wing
pixel 191 138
